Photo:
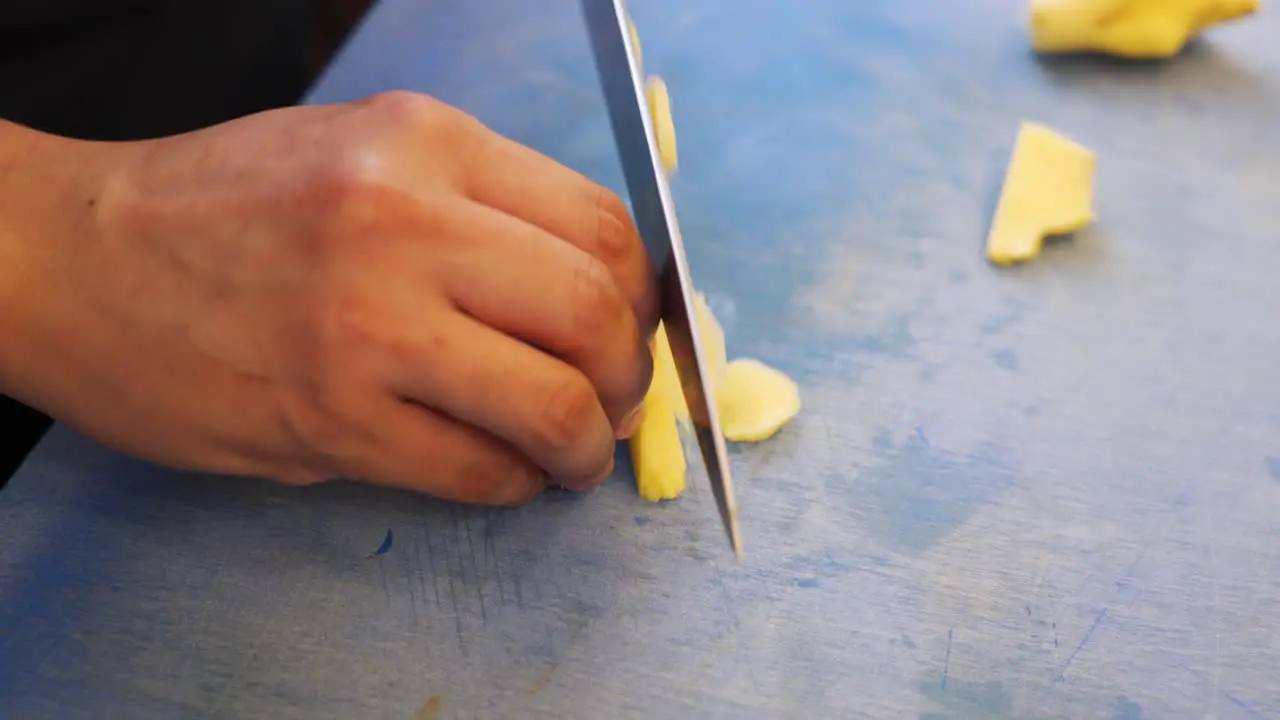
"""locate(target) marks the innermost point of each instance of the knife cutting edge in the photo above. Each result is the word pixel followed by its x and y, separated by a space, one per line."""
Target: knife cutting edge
pixel 654 210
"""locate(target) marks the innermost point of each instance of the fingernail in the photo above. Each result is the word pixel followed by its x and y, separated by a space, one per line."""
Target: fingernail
pixel 631 422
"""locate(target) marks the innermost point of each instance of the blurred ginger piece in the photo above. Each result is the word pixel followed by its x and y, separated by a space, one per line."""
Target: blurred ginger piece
pixel 635 44
pixel 1048 190
pixel 1138 29
pixel 664 128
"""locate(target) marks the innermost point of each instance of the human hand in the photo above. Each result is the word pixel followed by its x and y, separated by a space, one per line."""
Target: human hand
pixel 384 289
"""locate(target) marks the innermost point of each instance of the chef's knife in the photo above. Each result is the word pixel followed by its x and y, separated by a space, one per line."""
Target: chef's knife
pixel 651 203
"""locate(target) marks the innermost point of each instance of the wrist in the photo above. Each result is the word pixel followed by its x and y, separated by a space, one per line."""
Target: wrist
pixel 49 189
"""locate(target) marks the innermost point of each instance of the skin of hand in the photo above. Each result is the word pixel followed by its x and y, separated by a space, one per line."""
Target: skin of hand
pixel 384 290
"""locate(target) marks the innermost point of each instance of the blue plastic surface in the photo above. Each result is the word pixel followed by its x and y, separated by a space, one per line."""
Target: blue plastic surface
pixel 1051 491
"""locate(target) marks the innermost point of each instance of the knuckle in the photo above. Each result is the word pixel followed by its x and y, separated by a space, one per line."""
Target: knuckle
pixel 613 243
pixel 450 125
pixel 352 203
pixel 423 113
pixel 611 205
pixel 403 106
pixel 596 300
pixel 567 413
pixel 617 243
pixel 422 120
pixel 474 146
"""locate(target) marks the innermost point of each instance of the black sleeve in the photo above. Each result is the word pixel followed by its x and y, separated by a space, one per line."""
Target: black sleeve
pixel 130 69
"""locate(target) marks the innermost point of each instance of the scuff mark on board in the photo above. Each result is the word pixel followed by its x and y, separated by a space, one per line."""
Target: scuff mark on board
pixel 385 547
pixel 946 664
pixel 1062 674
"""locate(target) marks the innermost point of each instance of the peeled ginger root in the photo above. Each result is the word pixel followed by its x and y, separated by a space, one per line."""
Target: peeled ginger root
pixel 753 400
pixel 1136 29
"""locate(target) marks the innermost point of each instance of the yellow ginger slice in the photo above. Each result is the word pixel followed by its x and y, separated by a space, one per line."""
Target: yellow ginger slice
pixel 713 353
pixel 753 401
pixel 664 128
pixel 657 449
pixel 1137 29
pixel 1048 190
pixel 635 44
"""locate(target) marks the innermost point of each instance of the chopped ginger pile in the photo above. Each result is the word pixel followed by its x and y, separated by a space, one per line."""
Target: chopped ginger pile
pixel 754 401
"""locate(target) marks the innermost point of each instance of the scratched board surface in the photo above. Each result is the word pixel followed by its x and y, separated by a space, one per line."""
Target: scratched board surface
pixel 1046 492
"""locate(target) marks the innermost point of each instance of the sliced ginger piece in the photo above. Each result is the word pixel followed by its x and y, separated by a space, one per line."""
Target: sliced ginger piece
pixel 666 381
pixel 1048 190
pixel 664 128
pixel 635 44
pixel 755 400
pixel 713 354
pixel 1137 29
pixel 657 448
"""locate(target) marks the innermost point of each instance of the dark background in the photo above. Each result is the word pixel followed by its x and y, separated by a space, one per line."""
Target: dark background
pixel 134 69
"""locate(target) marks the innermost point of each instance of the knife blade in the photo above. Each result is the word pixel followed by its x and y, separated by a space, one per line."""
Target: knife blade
pixel 654 211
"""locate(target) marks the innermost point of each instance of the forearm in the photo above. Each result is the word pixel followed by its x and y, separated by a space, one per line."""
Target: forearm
pixel 48 188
